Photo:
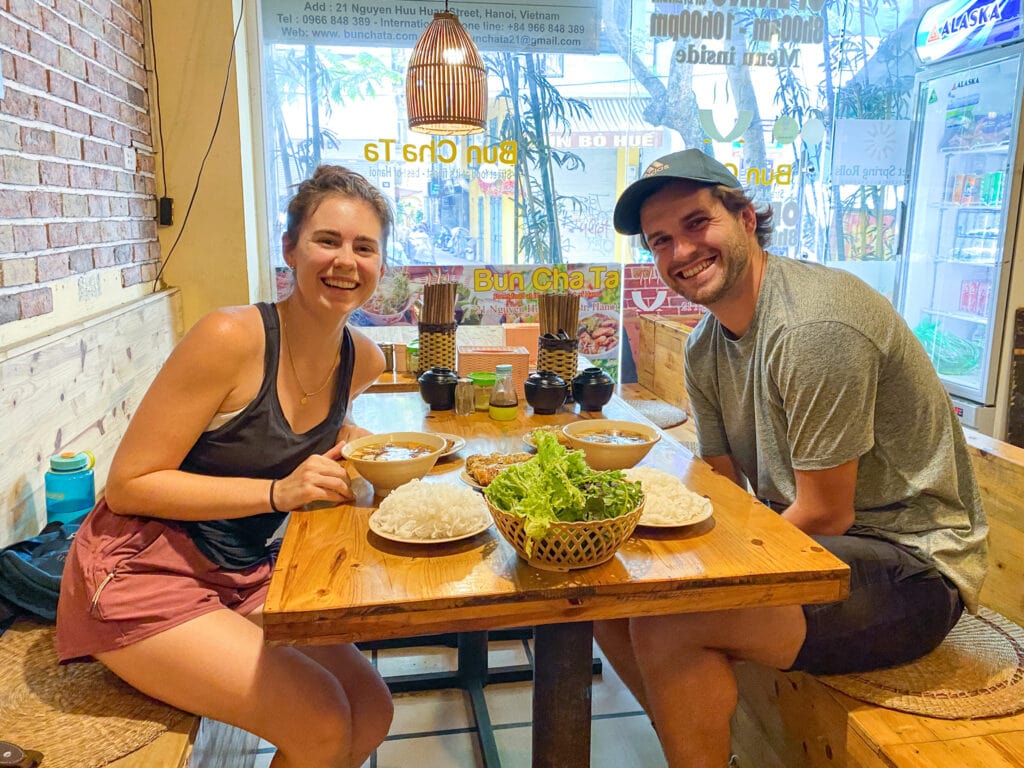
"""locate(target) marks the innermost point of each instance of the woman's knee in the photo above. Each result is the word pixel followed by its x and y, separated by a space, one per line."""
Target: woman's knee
pixel 372 713
pixel 319 733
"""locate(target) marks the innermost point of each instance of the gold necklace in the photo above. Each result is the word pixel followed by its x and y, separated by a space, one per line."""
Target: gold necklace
pixel 306 395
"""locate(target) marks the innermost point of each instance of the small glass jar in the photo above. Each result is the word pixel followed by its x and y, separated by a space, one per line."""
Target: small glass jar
pixel 483 383
pixel 504 404
pixel 389 357
pixel 412 357
pixel 465 398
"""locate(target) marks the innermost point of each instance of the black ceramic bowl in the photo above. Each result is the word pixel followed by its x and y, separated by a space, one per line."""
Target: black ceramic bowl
pixel 437 388
pixel 545 391
pixel 592 388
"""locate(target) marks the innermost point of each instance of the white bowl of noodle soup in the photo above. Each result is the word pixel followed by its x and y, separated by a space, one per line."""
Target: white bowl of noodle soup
pixel 391 459
pixel 611 443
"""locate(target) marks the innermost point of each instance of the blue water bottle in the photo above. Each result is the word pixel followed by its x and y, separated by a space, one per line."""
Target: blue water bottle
pixel 70 486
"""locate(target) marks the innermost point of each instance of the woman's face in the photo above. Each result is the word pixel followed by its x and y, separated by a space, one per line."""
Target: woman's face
pixel 337 256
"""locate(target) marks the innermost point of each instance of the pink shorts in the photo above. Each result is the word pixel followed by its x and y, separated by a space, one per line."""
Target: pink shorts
pixel 128 578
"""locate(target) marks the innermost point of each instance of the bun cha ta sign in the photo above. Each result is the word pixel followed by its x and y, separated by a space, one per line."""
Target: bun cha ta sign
pixel 569 26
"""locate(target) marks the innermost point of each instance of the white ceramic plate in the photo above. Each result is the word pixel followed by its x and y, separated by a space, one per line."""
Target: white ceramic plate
pixel 704 515
pixel 403 540
pixel 528 438
pixel 456 443
pixel 465 477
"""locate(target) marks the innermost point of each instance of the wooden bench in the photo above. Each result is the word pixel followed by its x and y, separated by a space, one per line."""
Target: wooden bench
pixel 791 720
pixel 73 389
pixel 169 750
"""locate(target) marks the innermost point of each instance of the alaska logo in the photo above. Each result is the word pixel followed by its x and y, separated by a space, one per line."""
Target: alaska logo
pixel 655 167
pixel 969 19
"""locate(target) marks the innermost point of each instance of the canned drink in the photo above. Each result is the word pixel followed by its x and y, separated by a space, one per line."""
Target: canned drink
pixel 958 188
pixel 984 291
pixel 987 182
pixel 997 187
pixel 969 296
pixel 969 195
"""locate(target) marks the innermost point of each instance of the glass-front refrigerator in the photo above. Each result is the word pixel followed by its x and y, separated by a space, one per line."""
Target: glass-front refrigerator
pixel 962 200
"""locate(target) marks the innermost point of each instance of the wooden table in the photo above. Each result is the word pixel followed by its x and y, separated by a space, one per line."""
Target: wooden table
pixel 395 381
pixel 335 581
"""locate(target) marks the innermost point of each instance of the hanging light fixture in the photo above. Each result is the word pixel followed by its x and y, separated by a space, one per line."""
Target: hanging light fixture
pixel 446 82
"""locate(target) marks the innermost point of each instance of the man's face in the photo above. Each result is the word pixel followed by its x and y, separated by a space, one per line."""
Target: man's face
pixel 701 249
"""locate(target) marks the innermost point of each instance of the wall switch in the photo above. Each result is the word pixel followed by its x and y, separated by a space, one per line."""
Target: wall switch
pixel 166 213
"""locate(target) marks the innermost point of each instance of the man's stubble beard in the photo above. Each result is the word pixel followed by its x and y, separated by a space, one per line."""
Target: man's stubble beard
pixel 735 257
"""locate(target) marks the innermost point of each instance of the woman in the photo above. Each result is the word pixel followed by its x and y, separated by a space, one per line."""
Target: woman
pixel 245 422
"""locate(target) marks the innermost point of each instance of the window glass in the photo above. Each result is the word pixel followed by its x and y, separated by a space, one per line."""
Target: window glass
pixel 807 101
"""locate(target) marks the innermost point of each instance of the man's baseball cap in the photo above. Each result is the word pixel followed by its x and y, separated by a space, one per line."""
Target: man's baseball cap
pixel 689 165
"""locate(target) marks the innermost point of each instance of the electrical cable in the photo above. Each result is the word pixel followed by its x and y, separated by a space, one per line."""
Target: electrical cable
pixel 209 148
pixel 156 98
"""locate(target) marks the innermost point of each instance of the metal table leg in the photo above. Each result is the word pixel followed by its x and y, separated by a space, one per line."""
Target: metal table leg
pixel 558 647
pixel 473 670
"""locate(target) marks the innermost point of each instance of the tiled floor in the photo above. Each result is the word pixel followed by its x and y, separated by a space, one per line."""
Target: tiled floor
pixel 436 730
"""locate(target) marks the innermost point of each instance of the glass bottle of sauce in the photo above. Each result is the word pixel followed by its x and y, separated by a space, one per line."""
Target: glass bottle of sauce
pixel 504 403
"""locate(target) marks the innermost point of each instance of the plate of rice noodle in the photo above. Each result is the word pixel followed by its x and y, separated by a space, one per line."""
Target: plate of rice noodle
pixel 670 504
pixel 430 513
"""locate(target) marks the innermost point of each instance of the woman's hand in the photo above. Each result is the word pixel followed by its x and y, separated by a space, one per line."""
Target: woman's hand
pixel 319 478
pixel 350 432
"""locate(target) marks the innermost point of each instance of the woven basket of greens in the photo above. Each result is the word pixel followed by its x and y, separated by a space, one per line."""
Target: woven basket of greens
pixel 558 513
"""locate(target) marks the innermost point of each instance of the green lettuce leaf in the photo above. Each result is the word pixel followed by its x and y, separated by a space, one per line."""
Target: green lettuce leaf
pixel 557 484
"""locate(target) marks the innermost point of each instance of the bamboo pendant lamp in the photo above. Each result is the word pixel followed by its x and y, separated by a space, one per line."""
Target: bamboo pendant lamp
pixel 446 82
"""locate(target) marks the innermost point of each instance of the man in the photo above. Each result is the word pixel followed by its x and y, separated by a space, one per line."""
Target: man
pixel 805 384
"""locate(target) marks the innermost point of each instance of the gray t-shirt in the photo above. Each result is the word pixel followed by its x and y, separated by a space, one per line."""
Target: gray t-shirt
pixel 829 372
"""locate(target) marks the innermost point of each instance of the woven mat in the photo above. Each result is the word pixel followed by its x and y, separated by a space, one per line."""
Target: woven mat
pixel 977 671
pixel 662 414
pixel 77 715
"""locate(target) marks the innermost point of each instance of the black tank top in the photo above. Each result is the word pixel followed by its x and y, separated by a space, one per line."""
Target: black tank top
pixel 258 442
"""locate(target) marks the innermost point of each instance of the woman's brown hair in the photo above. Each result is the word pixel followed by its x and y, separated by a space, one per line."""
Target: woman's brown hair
pixel 328 180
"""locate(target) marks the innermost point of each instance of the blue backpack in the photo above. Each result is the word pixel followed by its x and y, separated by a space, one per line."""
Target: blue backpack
pixel 30 570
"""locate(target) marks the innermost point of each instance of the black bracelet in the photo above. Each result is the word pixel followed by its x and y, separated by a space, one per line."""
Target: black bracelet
pixel 273 506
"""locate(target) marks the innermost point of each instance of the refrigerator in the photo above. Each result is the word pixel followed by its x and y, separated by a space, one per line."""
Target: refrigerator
pixel 954 271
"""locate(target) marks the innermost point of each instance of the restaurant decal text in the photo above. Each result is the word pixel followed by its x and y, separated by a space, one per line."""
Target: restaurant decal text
pixel 495 294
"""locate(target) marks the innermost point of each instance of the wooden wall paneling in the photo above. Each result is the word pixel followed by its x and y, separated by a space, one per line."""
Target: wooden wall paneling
pixel 803 725
pixel 75 390
pixel 999 468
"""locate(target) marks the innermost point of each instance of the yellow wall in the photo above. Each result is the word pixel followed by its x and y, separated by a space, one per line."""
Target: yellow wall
pixel 215 262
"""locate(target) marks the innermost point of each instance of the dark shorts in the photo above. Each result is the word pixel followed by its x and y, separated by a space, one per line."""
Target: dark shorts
pixel 900 608
pixel 128 578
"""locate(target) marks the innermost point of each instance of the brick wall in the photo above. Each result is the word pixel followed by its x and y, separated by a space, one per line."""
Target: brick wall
pixel 77 185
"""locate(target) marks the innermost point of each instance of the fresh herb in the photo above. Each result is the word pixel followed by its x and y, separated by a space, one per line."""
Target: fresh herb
pixel 557 485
